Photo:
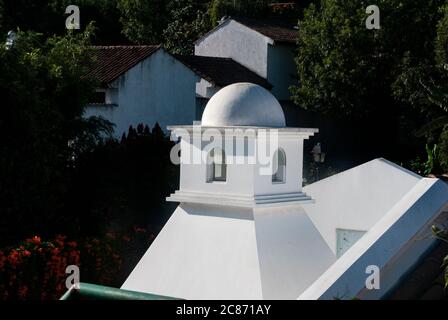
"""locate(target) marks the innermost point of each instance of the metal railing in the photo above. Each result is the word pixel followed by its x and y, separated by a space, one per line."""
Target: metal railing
pixel 87 291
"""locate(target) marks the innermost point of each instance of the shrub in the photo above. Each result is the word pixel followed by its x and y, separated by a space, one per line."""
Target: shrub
pixel 35 269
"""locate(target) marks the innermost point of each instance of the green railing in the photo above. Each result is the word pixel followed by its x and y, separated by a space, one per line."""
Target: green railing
pixel 87 291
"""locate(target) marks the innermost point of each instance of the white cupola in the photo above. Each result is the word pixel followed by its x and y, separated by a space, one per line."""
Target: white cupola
pixel 243 230
pixel 241 154
pixel 240 230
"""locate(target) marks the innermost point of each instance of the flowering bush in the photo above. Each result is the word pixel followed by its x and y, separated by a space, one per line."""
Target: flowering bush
pixel 35 269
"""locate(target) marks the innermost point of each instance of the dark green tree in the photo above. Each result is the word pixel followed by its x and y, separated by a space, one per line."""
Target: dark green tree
pixel 48 18
pixel 2 27
pixel 143 22
pixel 248 8
pixel 125 183
pixel 39 16
pixel 348 71
pixel 188 21
pixel 44 92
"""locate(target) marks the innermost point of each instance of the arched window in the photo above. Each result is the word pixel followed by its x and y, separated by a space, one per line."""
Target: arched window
pixel 216 165
pixel 279 166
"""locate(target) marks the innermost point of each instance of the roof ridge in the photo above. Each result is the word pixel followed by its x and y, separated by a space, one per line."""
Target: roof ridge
pixel 216 70
pixel 278 30
pixel 125 46
pixel 112 61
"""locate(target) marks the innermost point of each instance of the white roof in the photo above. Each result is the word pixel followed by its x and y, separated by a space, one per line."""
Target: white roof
pixel 243 104
pixel 224 252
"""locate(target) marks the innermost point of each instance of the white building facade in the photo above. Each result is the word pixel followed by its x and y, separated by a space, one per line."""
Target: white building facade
pixel 244 230
pixel 267 48
pixel 142 86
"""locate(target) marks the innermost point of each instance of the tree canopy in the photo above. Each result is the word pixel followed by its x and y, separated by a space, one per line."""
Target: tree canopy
pixel 373 77
pixel 44 93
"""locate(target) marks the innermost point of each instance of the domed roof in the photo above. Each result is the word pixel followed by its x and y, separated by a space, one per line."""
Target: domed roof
pixel 243 104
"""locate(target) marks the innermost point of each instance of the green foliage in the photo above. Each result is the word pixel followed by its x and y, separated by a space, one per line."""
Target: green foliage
pixel 34 15
pixel 35 270
pixel 442 39
pixel 431 164
pixel 44 92
pixel 188 21
pixel 424 85
pixel 248 8
pixel 442 235
pixel 443 149
pixel 336 59
pixel 143 22
pixel 347 69
pixel 372 77
pixel 2 27
pixel 124 182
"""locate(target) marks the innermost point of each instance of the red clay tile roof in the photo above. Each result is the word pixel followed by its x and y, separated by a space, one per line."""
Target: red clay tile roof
pixel 222 71
pixel 112 61
pixel 277 30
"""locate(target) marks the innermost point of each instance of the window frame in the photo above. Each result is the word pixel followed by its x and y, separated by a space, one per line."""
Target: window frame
pixel 280 167
pixel 212 166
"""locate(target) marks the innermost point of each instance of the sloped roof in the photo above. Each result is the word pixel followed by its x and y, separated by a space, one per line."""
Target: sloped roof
pixel 112 61
pixel 222 71
pixel 277 30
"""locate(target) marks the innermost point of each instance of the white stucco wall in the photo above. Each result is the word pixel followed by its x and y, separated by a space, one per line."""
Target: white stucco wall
pixel 210 252
pixel 273 61
pixel 246 175
pixel 293 149
pixel 158 89
pixel 394 244
pixel 193 177
pixel 236 41
pixel 205 89
pixel 358 198
pixel 282 70
pixel 201 253
pixel 292 253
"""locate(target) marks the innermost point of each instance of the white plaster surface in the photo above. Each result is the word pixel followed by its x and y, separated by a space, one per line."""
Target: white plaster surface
pixel 207 252
pixel 243 104
pixel 394 244
pixel 158 89
pixel 284 252
pixel 357 198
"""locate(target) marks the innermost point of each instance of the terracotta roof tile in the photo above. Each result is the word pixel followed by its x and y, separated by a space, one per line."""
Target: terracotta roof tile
pixel 112 61
pixel 277 30
pixel 222 71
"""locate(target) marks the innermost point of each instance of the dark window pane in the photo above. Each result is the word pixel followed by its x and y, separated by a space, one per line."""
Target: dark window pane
pixel 98 97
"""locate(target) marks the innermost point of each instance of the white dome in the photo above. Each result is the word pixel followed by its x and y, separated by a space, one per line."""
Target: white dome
pixel 243 104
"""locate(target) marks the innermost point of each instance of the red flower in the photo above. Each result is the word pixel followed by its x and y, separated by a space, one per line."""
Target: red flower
pixel 35 240
pixel 26 253
pixel 126 238
pixel 22 292
pixel 2 261
pixel 72 244
pixel 13 257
